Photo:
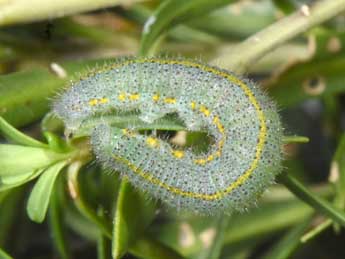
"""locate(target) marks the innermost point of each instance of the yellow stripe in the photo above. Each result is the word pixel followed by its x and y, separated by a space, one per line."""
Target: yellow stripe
pixel 259 147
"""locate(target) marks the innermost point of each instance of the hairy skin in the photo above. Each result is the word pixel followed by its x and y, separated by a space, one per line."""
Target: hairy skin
pixel 240 164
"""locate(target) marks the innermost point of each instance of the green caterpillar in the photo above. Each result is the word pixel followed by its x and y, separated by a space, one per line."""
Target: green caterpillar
pixel 244 123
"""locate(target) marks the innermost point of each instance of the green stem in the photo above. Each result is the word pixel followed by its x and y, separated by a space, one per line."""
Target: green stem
pixel 315 231
pixel 319 204
pixel 256 46
pixel 295 139
pixel 22 11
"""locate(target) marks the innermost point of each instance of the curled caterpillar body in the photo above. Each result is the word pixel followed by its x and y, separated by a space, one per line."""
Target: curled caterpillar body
pixel 243 122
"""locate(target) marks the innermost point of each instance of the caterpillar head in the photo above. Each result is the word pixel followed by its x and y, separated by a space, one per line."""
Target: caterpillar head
pixel 72 107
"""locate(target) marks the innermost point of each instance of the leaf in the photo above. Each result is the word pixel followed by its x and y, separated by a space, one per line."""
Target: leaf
pixel 242 227
pixel 321 75
pixel 56 222
pixel 172 12
pixel 338 169
pixel 133 214
pixel 40 195
pixel 18 137
pixel 4 255
pixel 289 243
pixel 55 143
pixel 9 212
pixel 147 248
pixel 295 139
pixel 15 159
pixel 11 181
pixel 24 95
pixel 319 204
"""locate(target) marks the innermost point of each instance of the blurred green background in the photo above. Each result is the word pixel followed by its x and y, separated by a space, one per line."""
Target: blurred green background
pixel 88 213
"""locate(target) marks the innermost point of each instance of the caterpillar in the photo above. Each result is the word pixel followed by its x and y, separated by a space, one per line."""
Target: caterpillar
pixel 240 164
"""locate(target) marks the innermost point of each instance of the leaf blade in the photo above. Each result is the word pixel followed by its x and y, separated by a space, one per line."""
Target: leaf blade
pixel 37 205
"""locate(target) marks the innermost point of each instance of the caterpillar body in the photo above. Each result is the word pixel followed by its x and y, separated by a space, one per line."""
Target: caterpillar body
pixel 241 162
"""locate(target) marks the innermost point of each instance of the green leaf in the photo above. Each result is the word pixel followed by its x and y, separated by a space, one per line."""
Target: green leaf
pixel 147 248
pixel 25 96
pixel 15 159
pixel 289 243
pixel 103 243
pixel 9 212
pixel 18 137
pixel 56 143
pixel 172 12
pixel 242 227
pixel 11 181
pixel 319 204
pixel 338 170
pixel 320 75
pixel 4 255
pixel 56 221
pixel 133 214
pixel 40 195
pixel 295 139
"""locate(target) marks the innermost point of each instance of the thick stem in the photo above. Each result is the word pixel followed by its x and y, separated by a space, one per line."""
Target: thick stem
pixel 256 46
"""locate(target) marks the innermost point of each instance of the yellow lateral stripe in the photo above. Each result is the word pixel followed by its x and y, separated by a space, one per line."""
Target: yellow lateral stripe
pixel 152 142
pixel 177 153
pixel 155 97
pixel 192 105
pixel 93 102
pixel 204 110
pixel 122 97
pixel 170 100
pixel 261 136
pixel 134 97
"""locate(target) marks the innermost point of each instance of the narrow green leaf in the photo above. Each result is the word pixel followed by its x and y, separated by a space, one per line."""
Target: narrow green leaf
pixel 55 142
pixel 172 12
pixel 9 212
pixel 40 195
pixel 147 248
pixel 242 227
pixel 15 159
pixel 295 139
pixel 319 204
pixel 133 214
pixel 103 243
pixel 25 96
pixel 316 230
pixel 289 243
pixel 123 121
pixel 11 181
pixel 338 170
pixel 56 222
pixel 4 255
pixel 18 137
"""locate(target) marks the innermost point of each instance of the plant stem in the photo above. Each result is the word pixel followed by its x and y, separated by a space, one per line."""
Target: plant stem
pixel 256 46
pixel 319 204
pixel 295 139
